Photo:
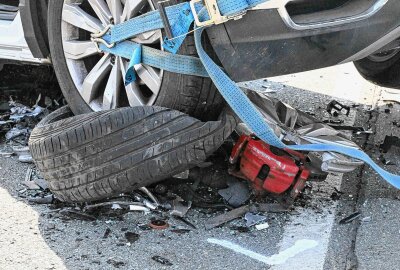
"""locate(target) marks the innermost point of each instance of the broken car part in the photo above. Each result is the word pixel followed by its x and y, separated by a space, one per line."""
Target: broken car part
pixel 268 168
pixel 239 212
pixel 253 219
pixel 299 128
pixel 180 207
pixel 236 194
pixel 335 107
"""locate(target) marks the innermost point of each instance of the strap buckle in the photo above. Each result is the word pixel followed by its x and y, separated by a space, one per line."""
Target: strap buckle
pixel 213 12
pixel 98 38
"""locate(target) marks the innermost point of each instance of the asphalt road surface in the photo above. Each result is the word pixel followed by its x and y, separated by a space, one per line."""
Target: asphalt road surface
pixel 35 237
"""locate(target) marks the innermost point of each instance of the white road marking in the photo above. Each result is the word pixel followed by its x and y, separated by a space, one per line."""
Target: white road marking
pixel 314 226
pixel 277 259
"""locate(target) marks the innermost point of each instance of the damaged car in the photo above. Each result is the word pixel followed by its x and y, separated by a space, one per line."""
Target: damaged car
pixel 173 121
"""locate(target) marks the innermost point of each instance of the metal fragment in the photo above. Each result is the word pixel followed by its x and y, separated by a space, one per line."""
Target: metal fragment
pixel 151 196
pixel 180 207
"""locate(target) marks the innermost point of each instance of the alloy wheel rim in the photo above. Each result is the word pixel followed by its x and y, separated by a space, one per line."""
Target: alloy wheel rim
pixel 99 77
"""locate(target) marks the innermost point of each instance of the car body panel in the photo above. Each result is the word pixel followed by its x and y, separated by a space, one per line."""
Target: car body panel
pixel 13 45
pixel 266 42
pixel 263 44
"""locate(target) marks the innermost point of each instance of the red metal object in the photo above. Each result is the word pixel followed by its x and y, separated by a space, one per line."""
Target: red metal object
pixel 269 169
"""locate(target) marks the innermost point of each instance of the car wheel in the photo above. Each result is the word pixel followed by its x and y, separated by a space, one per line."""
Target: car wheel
pixel 97 155
pixel 381 68
pixel 93 81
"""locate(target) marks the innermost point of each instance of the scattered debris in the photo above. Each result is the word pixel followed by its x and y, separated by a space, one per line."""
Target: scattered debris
pixel 107 233
pixel 31 185
pixel 226 217
pixel 262 226
pixel 116 262
pixel 48 199
pixel 131 237
pixel 41 183
pixel 23 154
pixel 76 214
pixel 236 194
pixel 17 132
pixel 139 208
pixel 180 207
pixel 335 107
pixel 239 212
pixel 350 218
pixel 151 196
pixel 159 224
pixel 253 219
pixel 161 260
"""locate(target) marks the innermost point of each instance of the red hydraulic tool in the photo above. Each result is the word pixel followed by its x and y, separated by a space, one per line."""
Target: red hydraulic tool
pixel 268 168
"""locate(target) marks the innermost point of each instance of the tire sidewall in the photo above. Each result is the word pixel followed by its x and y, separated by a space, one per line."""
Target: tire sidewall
pixel 71 93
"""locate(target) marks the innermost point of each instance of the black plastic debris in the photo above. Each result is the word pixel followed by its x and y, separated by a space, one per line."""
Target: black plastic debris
pixel 350 218
pixel 335 107
pixel 161 260
pixel 131 237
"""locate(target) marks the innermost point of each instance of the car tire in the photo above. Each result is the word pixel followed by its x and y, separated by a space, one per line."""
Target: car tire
pixel 383 72
pixel 95 156
pixel 192 95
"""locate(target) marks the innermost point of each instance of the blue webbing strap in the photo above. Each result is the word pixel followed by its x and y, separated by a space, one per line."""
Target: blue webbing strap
pixel 235 97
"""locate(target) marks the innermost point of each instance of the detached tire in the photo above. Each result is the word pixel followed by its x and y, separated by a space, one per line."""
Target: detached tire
pixel 98 155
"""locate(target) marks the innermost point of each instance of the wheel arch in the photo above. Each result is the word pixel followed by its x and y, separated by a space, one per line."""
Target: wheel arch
pixel 34 22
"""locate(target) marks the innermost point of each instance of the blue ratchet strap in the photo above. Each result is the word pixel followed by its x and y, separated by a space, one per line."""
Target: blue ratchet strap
pixel 235 97
pixel 181 64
